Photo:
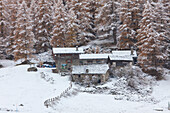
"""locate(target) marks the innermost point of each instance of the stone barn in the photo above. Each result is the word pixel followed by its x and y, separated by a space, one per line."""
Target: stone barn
pixel 122 58
pixel 88 74
pixel 66 57
pixel 119 61
pixel 132 53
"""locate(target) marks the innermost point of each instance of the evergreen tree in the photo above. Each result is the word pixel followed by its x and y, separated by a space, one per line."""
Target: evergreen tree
pixel 34 8
pixel 130 15
pixel 24 36
pixel 161 26
pixel 85 19
pixel 44 26
pixel 64 33
pixel 4 26
pixel 106 20
pixel 166 18
pixel 12 11
pixel 150 56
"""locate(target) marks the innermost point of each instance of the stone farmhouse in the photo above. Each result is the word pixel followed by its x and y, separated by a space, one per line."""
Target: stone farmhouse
pixel 96 73
pixel 66 57
pixel 89 66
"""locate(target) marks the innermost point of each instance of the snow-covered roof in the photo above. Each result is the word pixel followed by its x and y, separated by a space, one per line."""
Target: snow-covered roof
pixel 92 69
pixel 94 56
pixel 124 53
pixel 67 50
pixel 121 57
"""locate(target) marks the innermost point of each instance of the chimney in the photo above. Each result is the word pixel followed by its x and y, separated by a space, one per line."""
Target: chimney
pixel 132 50
pixel 87 70
pixel 77 48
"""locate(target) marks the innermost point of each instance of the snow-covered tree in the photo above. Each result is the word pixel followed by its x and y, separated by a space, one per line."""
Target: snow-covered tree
pixel 64 30
pixel 150 56
pixel 23 40
pixel 34 8
pixel 4 26
pixel 84 11
pixel 130 15
pixel 166 16
pixel 161 24
pixel 44 26
pixel 106 20
pixel 12 11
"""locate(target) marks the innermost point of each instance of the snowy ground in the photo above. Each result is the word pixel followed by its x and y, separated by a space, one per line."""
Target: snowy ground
pixel 21 87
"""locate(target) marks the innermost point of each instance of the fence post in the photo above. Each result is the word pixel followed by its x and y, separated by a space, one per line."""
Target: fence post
pixel 169 105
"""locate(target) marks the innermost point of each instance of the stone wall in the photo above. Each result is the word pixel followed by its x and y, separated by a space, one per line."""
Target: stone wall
pixel 81 78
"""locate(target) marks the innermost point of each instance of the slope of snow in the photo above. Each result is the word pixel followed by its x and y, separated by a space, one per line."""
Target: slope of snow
pixel 95 103
pixel 21 87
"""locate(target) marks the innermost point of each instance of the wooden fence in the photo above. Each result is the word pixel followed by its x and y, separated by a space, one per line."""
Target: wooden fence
pixel 50 102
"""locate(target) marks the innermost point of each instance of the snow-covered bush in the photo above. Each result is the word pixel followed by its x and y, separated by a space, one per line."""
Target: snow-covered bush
pixel 86 80
pixel 133 78
pixel 95 80
pixel 133 84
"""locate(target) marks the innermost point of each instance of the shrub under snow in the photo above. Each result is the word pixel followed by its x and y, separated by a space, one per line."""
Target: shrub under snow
pixel 133 84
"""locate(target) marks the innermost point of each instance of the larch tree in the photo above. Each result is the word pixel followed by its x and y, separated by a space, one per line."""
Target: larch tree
pixel 12 11
pixel 85 19
pixel 162 24
pixel 24 37
pixel 166 18
pixel 34 7
pixel 4 26
pixel 130 15
pixel 106 20
pixel 64 30
pixel 44 26
pixel 71 29
pixel 150 56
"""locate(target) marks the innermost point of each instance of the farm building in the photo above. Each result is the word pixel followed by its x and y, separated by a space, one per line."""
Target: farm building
pixel 122 58
pixel 66 57
pixel 90 73
pixel 93 59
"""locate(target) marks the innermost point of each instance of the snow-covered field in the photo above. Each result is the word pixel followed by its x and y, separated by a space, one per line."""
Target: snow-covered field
pixel 19 87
